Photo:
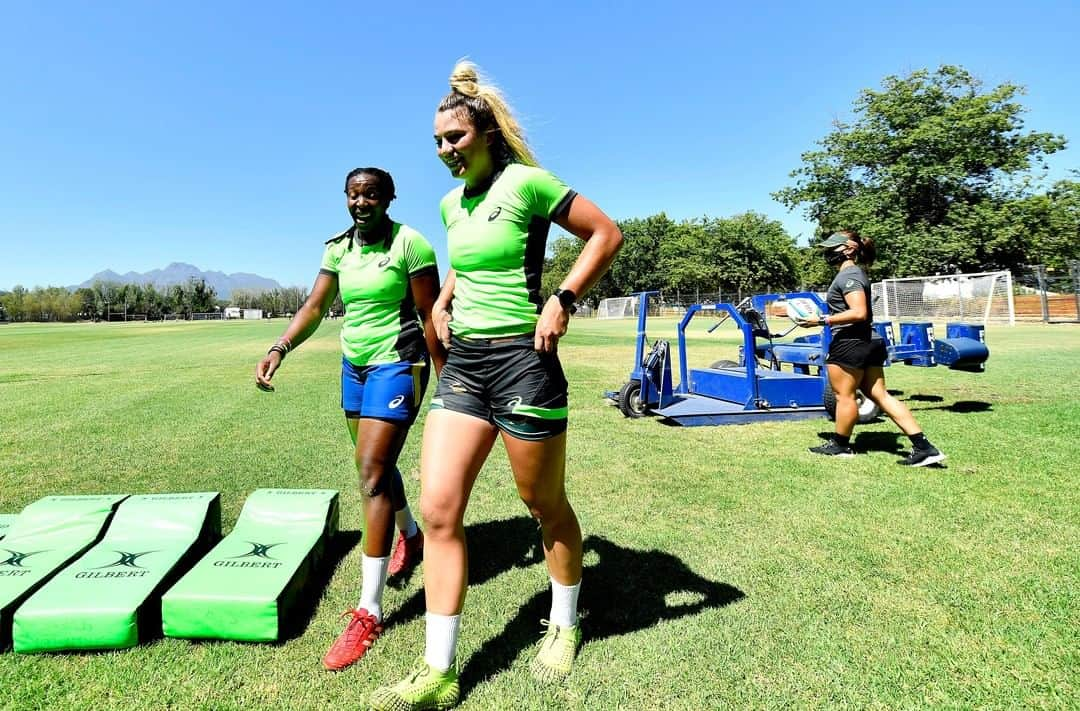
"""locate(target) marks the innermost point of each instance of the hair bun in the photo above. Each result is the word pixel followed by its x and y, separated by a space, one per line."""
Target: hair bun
pixel 464 79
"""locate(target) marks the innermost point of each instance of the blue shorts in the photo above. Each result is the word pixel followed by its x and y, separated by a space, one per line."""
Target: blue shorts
pixel 390 391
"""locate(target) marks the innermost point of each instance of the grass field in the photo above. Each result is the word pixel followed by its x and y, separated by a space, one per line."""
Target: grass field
pixel 726 567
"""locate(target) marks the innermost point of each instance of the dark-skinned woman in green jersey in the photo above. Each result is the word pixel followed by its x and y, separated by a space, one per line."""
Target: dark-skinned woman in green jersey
pixel 503 379
pixel 388 280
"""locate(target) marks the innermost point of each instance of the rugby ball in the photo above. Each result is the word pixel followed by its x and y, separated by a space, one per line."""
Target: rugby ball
pixel 803 309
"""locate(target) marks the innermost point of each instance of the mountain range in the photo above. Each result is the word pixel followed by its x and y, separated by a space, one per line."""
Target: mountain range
pixel 180 273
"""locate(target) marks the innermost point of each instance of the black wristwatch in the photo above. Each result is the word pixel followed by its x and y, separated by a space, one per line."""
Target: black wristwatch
pixel 566 298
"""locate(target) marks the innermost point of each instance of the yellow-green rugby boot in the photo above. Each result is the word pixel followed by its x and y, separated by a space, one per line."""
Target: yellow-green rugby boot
pixel 558 649
pixel 424 688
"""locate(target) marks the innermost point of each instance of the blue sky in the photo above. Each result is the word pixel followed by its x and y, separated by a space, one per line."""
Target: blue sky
pixel 134 134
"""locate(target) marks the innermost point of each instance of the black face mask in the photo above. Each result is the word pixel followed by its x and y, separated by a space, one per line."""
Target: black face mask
pixel 835 257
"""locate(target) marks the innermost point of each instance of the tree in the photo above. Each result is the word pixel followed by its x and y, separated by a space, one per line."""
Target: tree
pixel 87 302
pixel 564 252
pixel 1050 225
pixel 180 301
pixel 930 168
pixel 744 253
pixel 15 303
pixel 637 267
pixel 203 296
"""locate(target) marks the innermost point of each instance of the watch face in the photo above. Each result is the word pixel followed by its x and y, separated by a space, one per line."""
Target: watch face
pixel 566 299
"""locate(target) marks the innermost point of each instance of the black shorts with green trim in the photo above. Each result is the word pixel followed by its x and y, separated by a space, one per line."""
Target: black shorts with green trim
pixel 506 382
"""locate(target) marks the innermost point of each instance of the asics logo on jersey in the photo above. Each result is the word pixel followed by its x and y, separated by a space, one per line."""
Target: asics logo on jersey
pixel 514 402
pixel 494 214
pixel 396 402
pixel 384 261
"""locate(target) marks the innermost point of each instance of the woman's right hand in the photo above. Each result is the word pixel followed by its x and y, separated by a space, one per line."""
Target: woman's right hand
pixel 265 370
pixel 441 318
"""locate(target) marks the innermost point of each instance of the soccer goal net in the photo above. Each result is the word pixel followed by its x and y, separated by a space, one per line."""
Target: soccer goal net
pixel 627 307
pixel 206 316
pixel 980 298
pixel 618 307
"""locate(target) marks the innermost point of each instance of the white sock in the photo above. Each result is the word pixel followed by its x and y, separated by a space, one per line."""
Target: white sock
pixel 405 521
pixel 564 604
pixel 441 644
pixel 373 583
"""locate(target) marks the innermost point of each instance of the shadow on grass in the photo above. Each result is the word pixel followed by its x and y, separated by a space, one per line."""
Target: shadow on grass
pixel 300 617
pixel 494 547
pixel 623 591
pixel 919 397
pixel 960 406
pixel 878 442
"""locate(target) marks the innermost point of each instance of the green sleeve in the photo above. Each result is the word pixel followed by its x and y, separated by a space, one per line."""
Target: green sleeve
pixel 545 192
pixel 442 208
pixel 419 254
pixel 331 258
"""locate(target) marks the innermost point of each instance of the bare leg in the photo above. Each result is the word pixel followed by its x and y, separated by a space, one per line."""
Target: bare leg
pixel 455 447
pixel 844 382
pixel 539 472
pixel 873 386
pixel 378 444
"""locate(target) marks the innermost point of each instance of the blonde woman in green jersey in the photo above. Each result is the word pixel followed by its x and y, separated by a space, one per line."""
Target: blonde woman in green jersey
pixel 388 280
pixel 502 379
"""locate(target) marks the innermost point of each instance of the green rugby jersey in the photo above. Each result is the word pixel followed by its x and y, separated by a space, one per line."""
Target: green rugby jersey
pixel 380 324
pixel 497 239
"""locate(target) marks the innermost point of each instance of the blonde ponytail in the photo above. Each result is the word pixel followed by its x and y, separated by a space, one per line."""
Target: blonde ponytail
pixel 489 111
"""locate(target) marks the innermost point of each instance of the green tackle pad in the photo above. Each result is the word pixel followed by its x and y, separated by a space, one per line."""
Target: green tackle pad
pixel 45 537
pixel 5 523
pixel 110 598
pixel 246 588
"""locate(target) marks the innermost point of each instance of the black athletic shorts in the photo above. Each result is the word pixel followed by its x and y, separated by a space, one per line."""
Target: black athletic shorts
pixel 857 353
pixel 507 383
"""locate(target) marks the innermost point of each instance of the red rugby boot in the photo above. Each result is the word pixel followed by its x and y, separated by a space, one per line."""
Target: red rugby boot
pixel 407 554
pixel 356 639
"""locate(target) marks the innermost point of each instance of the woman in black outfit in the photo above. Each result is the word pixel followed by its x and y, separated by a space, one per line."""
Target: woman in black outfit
pixel 856 360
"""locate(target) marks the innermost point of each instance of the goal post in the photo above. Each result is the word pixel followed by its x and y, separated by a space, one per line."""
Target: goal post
pixel 981 297
pixel 618 307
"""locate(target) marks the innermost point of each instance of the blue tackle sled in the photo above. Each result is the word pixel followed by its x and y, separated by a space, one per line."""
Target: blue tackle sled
pixel 771 380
